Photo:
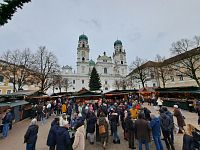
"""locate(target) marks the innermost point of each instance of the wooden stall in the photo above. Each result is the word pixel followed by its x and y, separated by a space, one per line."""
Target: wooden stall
pixel 185 97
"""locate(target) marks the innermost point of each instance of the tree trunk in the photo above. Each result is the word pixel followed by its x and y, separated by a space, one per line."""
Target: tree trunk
pixel 143 84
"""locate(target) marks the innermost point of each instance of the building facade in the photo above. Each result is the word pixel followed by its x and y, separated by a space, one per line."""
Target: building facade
pixel 109 68
pixel 170 70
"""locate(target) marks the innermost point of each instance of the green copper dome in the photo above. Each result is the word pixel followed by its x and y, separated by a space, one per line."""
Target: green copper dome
pixel 83 37
pixel 118 42
pixel 91 63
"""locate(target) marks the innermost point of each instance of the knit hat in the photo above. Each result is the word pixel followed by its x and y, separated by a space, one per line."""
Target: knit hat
pixel 175 106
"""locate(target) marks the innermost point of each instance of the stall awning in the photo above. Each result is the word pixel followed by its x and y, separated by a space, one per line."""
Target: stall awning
pixel 14 103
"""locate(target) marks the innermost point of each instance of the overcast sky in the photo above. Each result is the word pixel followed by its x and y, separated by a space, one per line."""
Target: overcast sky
pixel 146 27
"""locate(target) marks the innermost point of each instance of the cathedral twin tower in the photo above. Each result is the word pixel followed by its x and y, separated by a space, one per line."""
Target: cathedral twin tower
pixel 110 69
pixel 105 65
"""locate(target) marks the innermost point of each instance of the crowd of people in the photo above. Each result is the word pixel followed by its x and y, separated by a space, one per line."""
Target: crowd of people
pixel 76 122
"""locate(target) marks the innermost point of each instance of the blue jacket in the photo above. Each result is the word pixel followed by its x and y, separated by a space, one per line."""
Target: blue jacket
pixel 51 139
pixel 63 141
pixel 155 126
pixel 8 118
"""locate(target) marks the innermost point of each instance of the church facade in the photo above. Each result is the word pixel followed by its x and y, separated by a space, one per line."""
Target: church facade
pixel 110 69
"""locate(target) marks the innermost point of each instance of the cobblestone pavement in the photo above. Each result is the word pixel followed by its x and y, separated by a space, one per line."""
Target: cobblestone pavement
pixel 15 139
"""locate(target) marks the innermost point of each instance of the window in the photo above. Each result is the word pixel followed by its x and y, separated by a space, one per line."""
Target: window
pixel 105 71
pixel 172 78
pixel 83 45
pixel 83 59
pixel 154 85
pixel 82 81
pixel 104 60
pixel 74 81
pixel 122 62
pixel 106 82
pixel 1 78
pixel 181 77
pixel 106 88
pixel 152 76
pixel 8 91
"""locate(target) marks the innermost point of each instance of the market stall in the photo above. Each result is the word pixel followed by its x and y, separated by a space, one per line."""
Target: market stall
pixel 185 97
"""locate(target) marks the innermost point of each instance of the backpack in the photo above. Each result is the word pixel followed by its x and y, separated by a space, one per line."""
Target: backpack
pixel 102 128
pixel 165 123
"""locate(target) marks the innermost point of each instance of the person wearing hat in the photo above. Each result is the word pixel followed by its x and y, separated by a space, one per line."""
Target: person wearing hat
pixel 30 137
pixel 79 141
pixel 180 119
pixel 63 141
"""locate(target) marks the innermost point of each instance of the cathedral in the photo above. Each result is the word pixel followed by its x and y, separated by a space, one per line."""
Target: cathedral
pixel 110 69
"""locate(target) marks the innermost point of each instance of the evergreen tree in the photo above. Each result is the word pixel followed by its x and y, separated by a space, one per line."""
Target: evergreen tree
pixel 8 8
pixel 95 83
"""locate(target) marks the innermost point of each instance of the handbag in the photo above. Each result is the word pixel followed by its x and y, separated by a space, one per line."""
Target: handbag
pixel 102 129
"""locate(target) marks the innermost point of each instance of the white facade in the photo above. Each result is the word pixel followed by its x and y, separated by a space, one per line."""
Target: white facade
pixel 108 68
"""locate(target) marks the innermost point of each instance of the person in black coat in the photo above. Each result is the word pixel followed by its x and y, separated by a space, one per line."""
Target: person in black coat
pixel 30 137
pixel 63 141
pixel 188 143
pixel 113 124
pixel 51 140
pixel 130 127
pixel 91 121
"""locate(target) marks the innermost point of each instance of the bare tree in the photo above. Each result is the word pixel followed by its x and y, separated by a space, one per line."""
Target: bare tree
pixel 139 72
pixel 189 64
pixel 61 82
pixel 116 84
pixel 46 67
pixel 18 67
pixel 162 71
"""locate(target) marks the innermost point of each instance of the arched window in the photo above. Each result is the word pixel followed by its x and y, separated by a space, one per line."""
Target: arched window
pixel 83 59
pixel 105 71
pixel 122 62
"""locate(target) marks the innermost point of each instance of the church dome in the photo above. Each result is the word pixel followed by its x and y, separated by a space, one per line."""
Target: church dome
pixel 118 42
pixel 83 37
pixel 91 63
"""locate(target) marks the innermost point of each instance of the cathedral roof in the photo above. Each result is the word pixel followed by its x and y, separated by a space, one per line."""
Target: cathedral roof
pixel 91 63
pixel 83 37
pixel 118 42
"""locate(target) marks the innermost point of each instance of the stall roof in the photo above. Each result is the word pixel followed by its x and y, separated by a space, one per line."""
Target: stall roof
pixel 191 89
pixel 14 103
pixel 22 93
pixel 121 91
pixel 61 94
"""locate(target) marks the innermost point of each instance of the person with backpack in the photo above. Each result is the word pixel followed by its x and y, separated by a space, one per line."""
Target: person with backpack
pixel 113 124
pixel 168 113
pixel 103 129
pixel 166 129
